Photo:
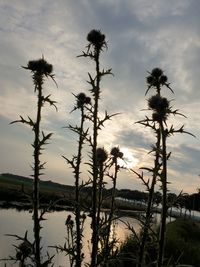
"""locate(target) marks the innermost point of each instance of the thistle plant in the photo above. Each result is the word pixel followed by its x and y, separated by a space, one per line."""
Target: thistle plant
pixel 40 70
pixel 24 250
pixel 89 108
pixel 150 187
pixel 75 251
pixel 70 245
pixel 107 242
pixel 161 110
pixel 97 44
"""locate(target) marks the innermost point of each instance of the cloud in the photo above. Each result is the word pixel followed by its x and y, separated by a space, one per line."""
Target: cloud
pixel 145 10
pixel 187 158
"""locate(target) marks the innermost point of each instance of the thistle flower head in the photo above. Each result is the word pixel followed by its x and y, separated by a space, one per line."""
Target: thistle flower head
pixel 161 108
pixel 163 79
pixel 156 72
pixel 150 80
pixel 158 103
pixel 116 153
pixel 96 38
pixel 82 99
pixel 158 116
pixel 40 66
pixel 69 222
pixel 24 250
pixel 101 155
pixel 68 219
pixel 157 79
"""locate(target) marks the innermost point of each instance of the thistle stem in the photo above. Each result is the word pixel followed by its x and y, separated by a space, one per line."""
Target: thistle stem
pixel 95 168
pixel 150 200
pixel 77 193
pixel 100 187
pixel 37 174
pixel 164 198
pixel 110 219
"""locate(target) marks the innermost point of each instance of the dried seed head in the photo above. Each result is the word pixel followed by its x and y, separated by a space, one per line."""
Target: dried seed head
pixel 68 219
pixel 96 38
pixel 164 103
pixel 157 72
pixel 81 96
pixel 116 153
pixel 40 66
pixel 156 117
pixel 120 155
pixel 87 100
pixel 158 103
pixel 157 79
pixel 101 155
pixel 161 107
pixel 24 250
pixel 150 80
pixel 163 79
pixel 82 99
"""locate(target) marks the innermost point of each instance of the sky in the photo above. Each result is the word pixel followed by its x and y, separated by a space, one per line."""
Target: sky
pixel 141 35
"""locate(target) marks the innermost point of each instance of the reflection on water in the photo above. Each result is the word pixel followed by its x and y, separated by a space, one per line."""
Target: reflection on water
pixel 53 233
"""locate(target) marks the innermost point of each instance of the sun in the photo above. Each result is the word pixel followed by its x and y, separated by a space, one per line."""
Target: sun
pixel 129 160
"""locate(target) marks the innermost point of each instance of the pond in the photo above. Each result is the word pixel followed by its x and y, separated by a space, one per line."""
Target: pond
pixel 53 233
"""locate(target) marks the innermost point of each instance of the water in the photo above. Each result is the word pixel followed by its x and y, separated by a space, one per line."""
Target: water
pixel 53 233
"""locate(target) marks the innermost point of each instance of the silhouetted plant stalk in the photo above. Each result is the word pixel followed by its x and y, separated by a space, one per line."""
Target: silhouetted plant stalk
pixel 150 189
pixel 106 243
pixel 97 41
pixel 81 101
pixel 161 109
pixel 70 239
pixel 23 251
pixel 70 245
pixel 40 69
pixel 157 165
pixel 96 45
pixel 158 123
pixel 115 154
pixel 102 156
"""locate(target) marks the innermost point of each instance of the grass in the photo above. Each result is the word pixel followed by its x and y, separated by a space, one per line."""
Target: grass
pixel 182 240
pixel 182 247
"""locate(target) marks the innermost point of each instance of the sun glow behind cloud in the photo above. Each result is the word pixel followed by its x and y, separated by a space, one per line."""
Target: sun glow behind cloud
pixel 129 160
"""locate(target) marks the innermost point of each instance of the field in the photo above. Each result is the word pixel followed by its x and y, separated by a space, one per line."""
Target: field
pixel 14 188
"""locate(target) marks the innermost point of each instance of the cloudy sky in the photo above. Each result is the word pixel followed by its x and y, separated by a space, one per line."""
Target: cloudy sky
pixel 141 35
